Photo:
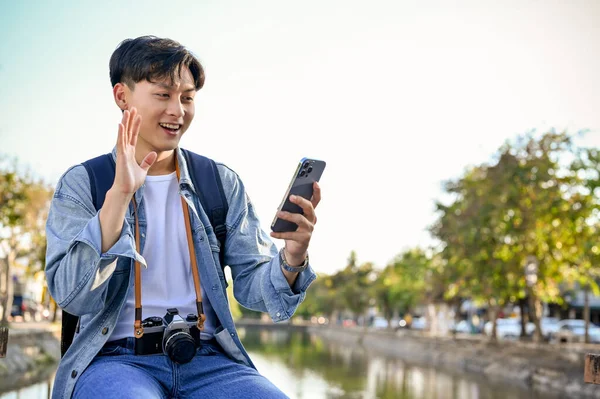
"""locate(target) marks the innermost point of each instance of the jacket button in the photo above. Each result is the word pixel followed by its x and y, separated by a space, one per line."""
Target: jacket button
pixel 104 330
pixel 73 373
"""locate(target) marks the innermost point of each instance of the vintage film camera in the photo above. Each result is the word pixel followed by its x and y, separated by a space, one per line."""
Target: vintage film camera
pixel 172 335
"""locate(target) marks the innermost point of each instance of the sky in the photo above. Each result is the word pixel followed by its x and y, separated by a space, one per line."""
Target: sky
pixel 396 96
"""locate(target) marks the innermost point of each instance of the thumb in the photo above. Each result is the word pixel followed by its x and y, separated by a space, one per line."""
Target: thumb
pixel 148 161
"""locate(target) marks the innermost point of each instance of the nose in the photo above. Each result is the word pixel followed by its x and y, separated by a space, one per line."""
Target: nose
pixel 175 108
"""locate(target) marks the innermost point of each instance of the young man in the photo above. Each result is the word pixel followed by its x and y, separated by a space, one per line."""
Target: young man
pixel 91 255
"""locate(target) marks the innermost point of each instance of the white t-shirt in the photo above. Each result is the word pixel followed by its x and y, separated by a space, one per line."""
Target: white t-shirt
pixel 168 281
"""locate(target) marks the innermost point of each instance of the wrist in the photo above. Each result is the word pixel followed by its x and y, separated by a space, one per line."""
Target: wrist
pixel 294 261
pixel 295 267
pixel 118 197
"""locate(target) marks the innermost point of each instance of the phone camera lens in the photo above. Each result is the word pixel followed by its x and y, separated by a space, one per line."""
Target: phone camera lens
pixel 309 169
pixel 306 165
pixel 302 173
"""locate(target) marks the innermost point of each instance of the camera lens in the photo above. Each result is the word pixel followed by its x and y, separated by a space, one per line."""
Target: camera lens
pixel 180 347
pixel 302 173
pixel 309 170
pixel 306 164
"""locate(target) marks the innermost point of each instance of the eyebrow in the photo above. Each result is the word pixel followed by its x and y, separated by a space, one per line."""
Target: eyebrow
pixel 171 87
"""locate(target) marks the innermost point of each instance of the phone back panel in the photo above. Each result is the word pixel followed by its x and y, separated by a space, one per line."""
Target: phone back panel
pixel 307 172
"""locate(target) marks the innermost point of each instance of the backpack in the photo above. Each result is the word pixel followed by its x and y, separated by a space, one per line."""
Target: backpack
pixel 205 177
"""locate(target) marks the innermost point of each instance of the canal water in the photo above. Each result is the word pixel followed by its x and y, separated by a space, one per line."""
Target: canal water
pixel 305 366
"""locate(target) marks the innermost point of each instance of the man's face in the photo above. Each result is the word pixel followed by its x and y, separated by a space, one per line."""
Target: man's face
pixel 167 109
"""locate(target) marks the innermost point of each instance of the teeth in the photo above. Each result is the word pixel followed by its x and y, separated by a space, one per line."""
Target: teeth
pixel 170 126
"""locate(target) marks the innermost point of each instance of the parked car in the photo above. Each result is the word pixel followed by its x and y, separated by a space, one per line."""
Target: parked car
pixel 549 326
pixel 508 328
pixel 463 327
pixel 577 334
pixel 348 323
pixel 573 330
pixel 380 323
pixel 567 324
pixel 419 323
pixel 26 308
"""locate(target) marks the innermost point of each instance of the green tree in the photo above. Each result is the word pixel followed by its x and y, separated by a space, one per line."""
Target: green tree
pixel 467 231
pixel 408 280
pixel 323 299
pixel 581 248
pixel 531 202
pixel 24 204
pixel 353 284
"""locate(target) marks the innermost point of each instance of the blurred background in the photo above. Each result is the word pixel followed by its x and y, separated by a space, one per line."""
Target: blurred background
pixel 459 222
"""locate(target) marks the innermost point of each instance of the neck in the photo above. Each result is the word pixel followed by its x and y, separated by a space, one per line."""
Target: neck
pixel 164 164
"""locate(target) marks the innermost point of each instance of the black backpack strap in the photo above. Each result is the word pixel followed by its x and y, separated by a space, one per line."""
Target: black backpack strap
pixel 67 331
pixel 205 176
pixel 101 171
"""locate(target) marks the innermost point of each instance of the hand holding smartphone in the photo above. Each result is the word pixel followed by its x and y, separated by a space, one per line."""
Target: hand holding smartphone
pixel 307 172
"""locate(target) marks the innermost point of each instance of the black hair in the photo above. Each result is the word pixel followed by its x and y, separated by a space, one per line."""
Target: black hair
pixel 151 58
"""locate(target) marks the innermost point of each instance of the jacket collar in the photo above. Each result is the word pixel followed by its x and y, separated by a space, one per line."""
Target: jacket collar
pixel 185 178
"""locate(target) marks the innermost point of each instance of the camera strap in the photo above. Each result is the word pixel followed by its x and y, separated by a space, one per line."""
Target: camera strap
pixel 137 325
pixel 138 329
pixel 193 262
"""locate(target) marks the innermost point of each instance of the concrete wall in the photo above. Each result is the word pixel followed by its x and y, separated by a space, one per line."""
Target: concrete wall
pixel 543 367
pixel 32 356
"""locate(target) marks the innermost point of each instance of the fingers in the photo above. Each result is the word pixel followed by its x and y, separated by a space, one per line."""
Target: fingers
pixel 125 122
pixel 316 198
pixel 137 122
pixel 298 236
pixel 129 128
pixel 121 138
pixel 306 205
pixel 302 222
pixel 149 160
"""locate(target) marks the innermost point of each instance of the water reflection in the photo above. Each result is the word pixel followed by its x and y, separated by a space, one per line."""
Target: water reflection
pixel 42 390
pixel 305 366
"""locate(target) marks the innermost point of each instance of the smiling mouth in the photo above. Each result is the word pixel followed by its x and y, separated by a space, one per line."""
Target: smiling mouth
pixel 171 127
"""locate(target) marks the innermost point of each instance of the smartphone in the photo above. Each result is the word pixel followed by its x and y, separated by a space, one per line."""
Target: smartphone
pixel 307 172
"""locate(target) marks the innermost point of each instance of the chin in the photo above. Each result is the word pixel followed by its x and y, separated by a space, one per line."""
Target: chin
pixel 162 147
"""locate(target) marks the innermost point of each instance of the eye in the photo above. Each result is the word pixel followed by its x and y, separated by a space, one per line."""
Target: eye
pixel 163 95
pixel 190 99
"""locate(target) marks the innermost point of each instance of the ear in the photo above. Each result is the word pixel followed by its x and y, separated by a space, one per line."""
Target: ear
pixel 121 94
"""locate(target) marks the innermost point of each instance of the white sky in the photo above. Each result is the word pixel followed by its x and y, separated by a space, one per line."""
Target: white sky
pixel 396 96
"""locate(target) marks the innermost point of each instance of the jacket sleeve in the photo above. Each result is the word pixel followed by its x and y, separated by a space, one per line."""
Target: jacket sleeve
pixel 76 271
pixel 258 280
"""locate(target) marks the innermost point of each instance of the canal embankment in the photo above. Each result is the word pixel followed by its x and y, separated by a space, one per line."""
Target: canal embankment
pixel 555 368
pixel 31 356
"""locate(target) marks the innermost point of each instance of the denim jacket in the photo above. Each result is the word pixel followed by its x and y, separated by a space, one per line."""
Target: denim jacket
pixel 94 285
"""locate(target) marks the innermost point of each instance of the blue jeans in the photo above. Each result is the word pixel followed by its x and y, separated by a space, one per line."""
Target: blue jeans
pixel 116 372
